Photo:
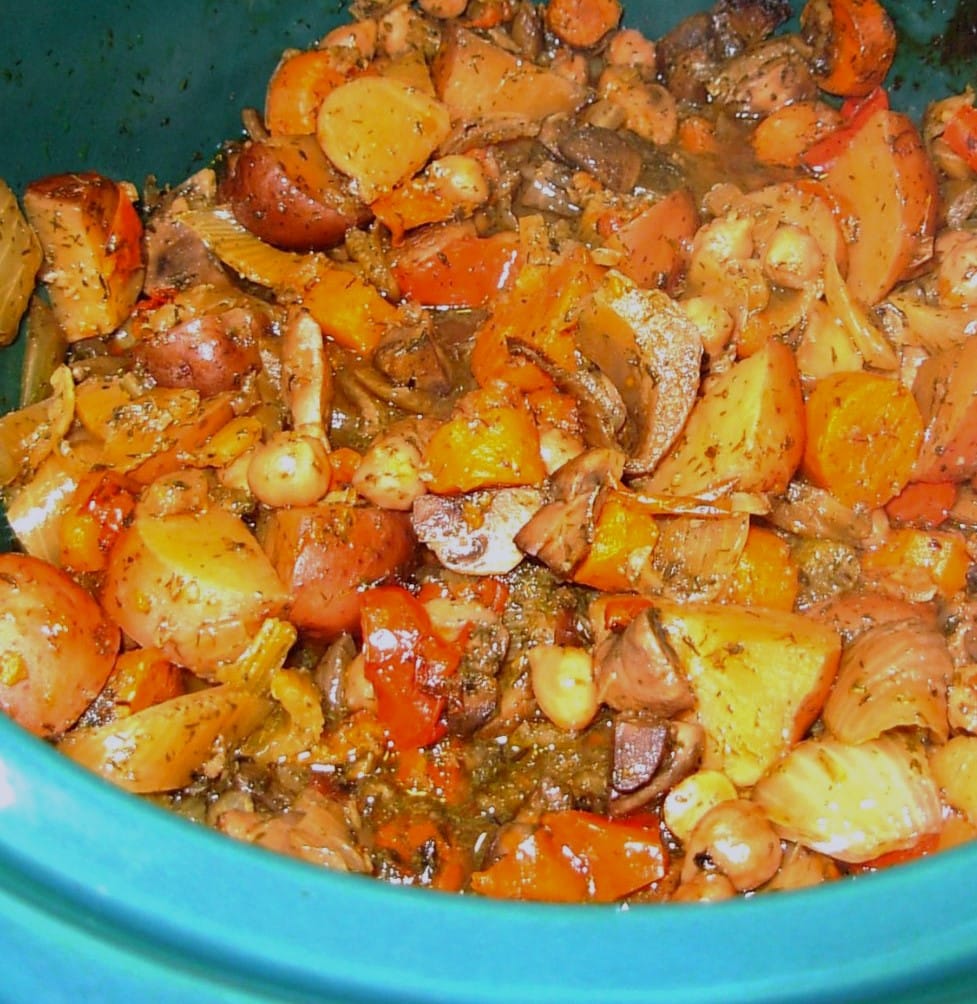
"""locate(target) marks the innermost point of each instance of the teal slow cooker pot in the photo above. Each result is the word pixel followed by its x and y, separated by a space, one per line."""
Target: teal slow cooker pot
pixel 106 898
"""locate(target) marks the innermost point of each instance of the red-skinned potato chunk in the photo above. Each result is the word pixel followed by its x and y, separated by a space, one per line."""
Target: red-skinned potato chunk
pixel 286 191
pixel 91 236
pixel 328 553
pixel 886 183
pixel 211 353
pixel 654 244
pixel 195 585
pixel 57 648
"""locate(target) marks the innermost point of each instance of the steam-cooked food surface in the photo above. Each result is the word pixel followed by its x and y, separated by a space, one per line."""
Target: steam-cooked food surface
pixel 535 460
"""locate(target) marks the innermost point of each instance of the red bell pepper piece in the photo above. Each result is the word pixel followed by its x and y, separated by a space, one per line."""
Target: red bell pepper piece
pixel 960 135
pixel 855 112
pixel 407 662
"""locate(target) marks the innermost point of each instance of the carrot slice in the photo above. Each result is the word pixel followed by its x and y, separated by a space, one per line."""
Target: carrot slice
pixel 925 505
pixel 297 89
pixel 582 23
pixel 863 436
pixel 960 135
pixel 783 137
pixel 854 43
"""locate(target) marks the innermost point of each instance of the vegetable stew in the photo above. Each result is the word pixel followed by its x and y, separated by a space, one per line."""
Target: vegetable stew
pixel 533 460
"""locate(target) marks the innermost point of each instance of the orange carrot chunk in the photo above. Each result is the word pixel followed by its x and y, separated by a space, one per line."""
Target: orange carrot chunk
pixel 297 88
pixel 766 574
pixel 625 534
pixel 582 23
pixel 863 435
pixel 916 563
pixel 854 42
pixel 490 442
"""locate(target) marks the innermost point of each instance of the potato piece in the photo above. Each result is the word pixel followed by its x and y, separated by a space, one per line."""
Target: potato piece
pixel 760 678
pixel 653 244
pixel 746 432
pixel 57 648
pixel 328 553
pixel 477 80
pixel 886 183
pixel 20 258
pixel 210 353
pixel 286 191
pixel 380 131
pixel 91 236
pixel 161 747
pixel 945 389
pixel 197 586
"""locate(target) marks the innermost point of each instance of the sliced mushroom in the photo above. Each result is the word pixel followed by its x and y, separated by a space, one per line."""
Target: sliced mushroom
pixel 652 353
pixel 176 258
pixel 475 533
pixel 768 76
pixel 604 153
pixel 603 415
pixel 473 692
pixel 560 532
pixel 639 747
pixel 681 756
pixel 636 670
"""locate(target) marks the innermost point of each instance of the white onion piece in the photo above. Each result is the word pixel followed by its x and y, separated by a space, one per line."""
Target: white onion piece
pixel 852 802
pixel 240 250
pixel 695 558
pixel 892 676
pixel 161 747
pixel 869 341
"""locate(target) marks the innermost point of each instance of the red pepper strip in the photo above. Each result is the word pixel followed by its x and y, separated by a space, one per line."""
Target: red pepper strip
pixel 406 662
pixel 576 856
pixel 466 271
pixel 855 112
pixel 960 135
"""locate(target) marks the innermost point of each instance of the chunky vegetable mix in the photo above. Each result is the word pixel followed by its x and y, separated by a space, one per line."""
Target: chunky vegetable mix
pixel 536 461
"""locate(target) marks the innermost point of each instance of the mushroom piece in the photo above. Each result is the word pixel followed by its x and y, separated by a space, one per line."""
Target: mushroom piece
pixel 692 51
pixel 603 415
pixel 475 533
pixel 772 74
pixel 604 153
pixel 560 532
pixel 176 258
pixel 639 747
pixel 651 351
pixel 473 691
pixel 636 670
pixel 636 741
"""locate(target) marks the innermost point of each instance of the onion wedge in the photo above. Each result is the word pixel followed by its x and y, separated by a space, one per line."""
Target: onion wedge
pixel 894 675
pixel 852 802
pixel 161 747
